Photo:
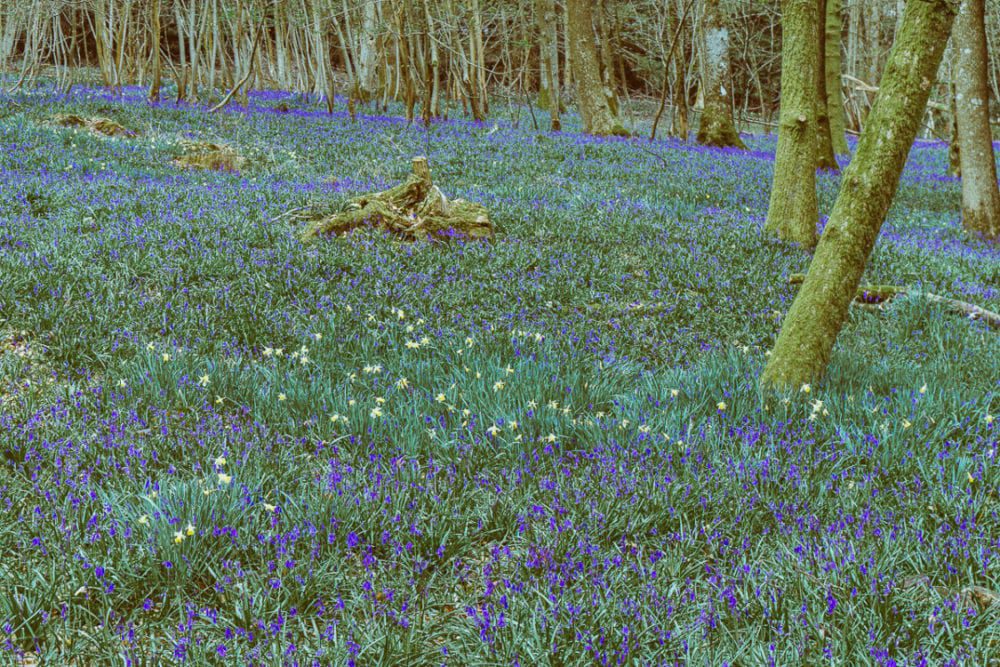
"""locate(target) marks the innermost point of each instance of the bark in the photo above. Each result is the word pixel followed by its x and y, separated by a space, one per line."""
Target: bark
pixel 802 351
pixel 980 196
pixel 717 128
pixel 154 23
pixel 834 87
pixel 368 52
pixel 598 118
pixel 548 46
pixel 954 148
pixel 793 210
pixel 825 159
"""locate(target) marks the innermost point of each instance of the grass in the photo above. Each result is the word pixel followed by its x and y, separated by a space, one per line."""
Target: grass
pixel 220 445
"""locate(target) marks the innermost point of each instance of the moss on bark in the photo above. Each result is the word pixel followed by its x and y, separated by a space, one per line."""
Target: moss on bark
pixel 717 127
pixel 802 351
pixel 825 159
pixel 980 196
pixel 598 117
pixel 833 22
pixel 793 210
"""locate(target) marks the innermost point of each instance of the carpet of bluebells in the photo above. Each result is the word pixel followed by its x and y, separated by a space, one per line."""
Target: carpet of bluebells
pixel 222 446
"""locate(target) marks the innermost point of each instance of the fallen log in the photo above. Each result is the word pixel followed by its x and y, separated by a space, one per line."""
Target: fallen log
pixel 870 295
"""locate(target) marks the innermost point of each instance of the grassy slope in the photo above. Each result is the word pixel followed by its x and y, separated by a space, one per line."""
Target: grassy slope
pixel 550 473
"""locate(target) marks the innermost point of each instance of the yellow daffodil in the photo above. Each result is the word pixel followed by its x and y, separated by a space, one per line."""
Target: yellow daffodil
pixel 178 537
pixel 220 461
pixel 122 383
pixel 805 389
pixel 282 397
pixel 224 478
pixel 497 386
pixel 203 380
pixel 375 413
pixel 268 351
pixel 165 356
pixel 441 398
pixel 269 507
pixel 190 529
pixel 721 405
pixel 923 389
pixel 144 519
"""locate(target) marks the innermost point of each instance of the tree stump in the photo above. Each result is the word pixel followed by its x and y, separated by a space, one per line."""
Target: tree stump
pixel 415 209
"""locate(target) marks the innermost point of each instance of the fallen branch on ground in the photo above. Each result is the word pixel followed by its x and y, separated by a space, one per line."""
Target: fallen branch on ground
pixel 883 294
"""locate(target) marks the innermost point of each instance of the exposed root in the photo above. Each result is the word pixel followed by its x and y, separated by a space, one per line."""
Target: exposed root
pixel 415 209
pixel 206 155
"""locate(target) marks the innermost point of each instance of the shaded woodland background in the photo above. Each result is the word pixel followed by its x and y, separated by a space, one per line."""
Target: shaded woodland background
pixel 446 57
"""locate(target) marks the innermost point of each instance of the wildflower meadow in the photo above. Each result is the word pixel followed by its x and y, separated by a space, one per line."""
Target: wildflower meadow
pixel 222 445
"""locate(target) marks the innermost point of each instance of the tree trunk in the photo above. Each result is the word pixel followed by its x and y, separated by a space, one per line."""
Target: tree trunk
pixel 802 351
pixel 954 148
pixel 154 26
pixel 595 111
pixel 793 211
pixel 368 52
pixel 834 87
pixel 825 159
pixel 717 128
pixel 548 48
pixel 980 196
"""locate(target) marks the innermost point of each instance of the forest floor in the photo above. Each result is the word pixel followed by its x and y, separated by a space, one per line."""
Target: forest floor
pixel 220 444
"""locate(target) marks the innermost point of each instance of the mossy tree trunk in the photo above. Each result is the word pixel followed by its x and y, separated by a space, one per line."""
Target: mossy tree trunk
pixel 793 210
pixel 802 351
pixel 598 117
pixel 716 127
pixel 825 159
pixel 833 22
pixel 980 196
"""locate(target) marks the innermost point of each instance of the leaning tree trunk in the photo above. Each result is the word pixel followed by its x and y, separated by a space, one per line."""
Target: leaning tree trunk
pixel 793 211
pixel 717 128
pixel 980 196
pixel 595 111
pixel 825 159
pixel 834 87
pixel 810 330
